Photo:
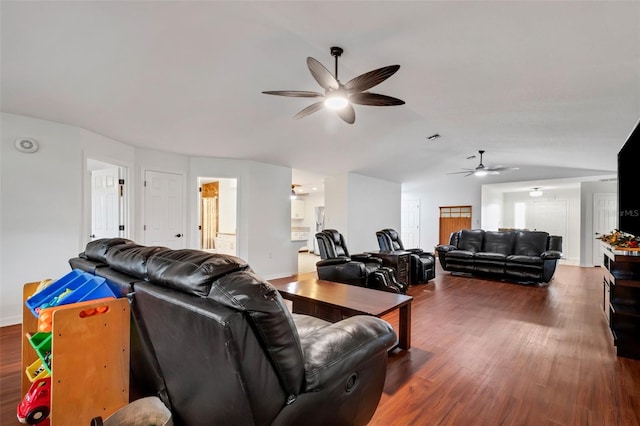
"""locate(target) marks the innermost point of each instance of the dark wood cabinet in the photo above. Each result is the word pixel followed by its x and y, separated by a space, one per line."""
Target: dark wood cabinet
pixel 621 299
pixel 398 260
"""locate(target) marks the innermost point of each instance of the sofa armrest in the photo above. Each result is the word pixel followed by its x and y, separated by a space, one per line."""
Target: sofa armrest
pixel 338 350
pixel 334 261
pixel 551 254
pixel 443 248
pixel 365 257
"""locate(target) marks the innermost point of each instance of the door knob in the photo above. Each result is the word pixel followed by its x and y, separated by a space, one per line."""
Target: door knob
pixel 92 236
pixel 178 235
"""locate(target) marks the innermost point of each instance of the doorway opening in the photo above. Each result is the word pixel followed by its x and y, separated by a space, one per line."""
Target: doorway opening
pixel 109 216
pixel 218 208
pixel 453 219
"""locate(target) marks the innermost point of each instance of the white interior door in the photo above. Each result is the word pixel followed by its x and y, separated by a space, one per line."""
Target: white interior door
pixel 105 203
pixel 605 220
pixel 410 223
pixel 552 217
pixel 164 209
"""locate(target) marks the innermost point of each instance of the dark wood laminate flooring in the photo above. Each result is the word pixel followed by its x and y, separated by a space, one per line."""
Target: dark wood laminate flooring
pixel 483 353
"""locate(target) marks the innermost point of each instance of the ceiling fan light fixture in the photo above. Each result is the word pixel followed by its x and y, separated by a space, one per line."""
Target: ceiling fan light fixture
pixel 535 193
pixel 341 97
pixel 480 173
pixel 337 101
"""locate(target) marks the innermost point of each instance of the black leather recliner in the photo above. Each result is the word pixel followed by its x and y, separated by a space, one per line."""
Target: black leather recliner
pixel 423 264
pixel 227 350
pixel 362 270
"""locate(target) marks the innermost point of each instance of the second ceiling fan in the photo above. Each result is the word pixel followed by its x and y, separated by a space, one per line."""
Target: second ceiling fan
pixel 338 96
pixel 482 170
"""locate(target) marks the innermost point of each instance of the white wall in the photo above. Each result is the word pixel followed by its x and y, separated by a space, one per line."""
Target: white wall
pixel 41 220
pixel 358 206
pixel 492 209
pixel 373 204
pixel 227 197
pixel 335 203
pixel 271 253
pixel 444 193
pixel 43 196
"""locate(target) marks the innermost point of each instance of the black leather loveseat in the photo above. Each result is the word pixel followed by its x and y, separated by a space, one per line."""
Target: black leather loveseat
pixel 522 256
pixel 217 344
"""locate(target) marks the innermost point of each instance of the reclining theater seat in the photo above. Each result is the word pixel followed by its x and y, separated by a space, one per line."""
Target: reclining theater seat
pixel 229 351
pixel 423 264
pixel 362 270
pixel 122 263
pixel 531 259
pixel 469 243
pixel 497 246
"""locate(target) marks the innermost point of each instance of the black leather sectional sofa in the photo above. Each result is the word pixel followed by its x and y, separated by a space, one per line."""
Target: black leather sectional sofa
pixel 218 345
pixel 522 256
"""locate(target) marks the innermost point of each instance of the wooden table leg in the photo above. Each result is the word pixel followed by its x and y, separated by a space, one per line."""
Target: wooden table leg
pixel 404 325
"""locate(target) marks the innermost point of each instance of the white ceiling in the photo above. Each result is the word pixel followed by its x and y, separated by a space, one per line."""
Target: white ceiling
pixel 550 87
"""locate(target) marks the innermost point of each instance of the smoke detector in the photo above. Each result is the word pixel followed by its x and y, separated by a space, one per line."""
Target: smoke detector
pixel 26 145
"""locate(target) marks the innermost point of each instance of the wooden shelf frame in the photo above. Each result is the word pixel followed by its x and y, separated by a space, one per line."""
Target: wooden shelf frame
pixel 90 359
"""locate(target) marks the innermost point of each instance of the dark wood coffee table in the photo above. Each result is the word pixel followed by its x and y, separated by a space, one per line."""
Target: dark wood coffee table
pixel 333 302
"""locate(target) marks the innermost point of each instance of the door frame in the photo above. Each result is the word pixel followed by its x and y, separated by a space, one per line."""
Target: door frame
pixel 596 259
pixel 125 173
pixel 200 180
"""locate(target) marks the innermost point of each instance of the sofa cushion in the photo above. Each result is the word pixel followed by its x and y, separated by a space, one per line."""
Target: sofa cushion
pixel 498 242
pixel 530 243
pixel 191 271
pixel 493 257
pixel 132 258
pixel 248 293
pixel 524 260
pixel 460 254
pixel 97 250
pixel 471 240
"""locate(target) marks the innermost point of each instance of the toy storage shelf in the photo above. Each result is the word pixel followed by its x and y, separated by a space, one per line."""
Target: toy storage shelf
pixel 90 359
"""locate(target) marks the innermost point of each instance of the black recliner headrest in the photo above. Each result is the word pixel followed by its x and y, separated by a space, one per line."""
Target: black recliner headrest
pixel 393 234
pixel 97 250
pixel 191 271
pixel 334 235
pixel 132 259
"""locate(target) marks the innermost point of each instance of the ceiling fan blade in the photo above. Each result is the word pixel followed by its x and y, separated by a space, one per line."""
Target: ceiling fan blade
pixel 322 75
pixel 309 110
pixel 468 171
pixel 501 168
pixel 369 79
pixel 294 93
pixel 374 99
pixel 348 114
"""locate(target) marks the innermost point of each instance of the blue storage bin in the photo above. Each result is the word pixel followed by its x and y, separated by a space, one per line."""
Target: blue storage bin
pixel 76 286
pixel 72 280
pixel 94 288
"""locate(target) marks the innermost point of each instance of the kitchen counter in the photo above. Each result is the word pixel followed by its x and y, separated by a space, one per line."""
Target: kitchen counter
pixel 299 233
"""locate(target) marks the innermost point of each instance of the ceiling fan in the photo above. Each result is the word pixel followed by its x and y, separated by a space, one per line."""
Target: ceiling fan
pixel 338 96
pixel 482 170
